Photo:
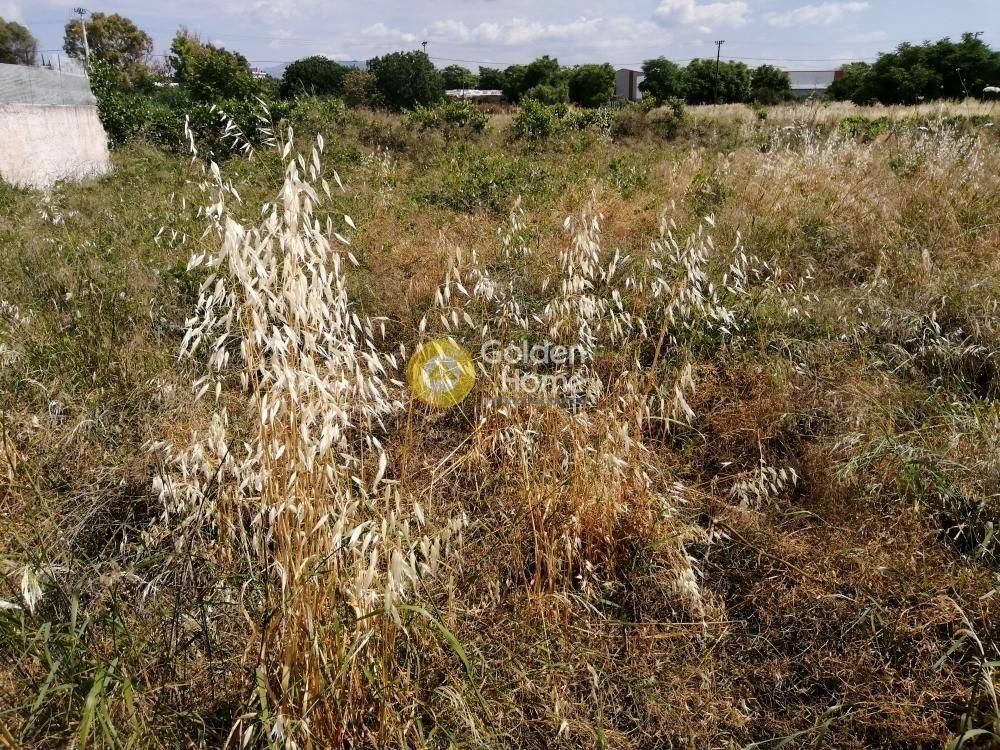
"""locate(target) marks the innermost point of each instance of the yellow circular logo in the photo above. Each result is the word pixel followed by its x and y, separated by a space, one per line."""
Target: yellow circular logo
pixel 441 372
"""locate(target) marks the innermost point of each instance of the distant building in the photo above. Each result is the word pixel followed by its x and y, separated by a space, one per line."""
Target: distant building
pixel 476 95
pixel 627 84
pixel 259 74
pixel 806 83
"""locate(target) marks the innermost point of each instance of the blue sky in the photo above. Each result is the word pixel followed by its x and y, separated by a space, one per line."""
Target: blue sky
pixel 791 33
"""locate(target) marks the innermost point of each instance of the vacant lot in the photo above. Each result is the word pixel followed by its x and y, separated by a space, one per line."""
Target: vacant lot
pixel 768 512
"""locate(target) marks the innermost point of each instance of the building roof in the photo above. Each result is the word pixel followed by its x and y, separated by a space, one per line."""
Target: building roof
pixel 472 93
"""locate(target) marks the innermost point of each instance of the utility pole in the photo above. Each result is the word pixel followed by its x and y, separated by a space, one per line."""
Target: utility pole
pixel 83 26
pixel 424 45
pixel 718 55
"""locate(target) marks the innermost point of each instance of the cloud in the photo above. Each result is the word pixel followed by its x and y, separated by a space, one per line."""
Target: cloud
pixel 382 32
pixel 516 31
pixel 813 15
pixel 702 15
pixel 519 31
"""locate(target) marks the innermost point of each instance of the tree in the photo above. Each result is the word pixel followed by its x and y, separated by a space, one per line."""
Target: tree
pixel 547 93
pixel 733 82
pixel 315 75
pixel 513 83
pixel 663 80
pixel 406 79
pixel 457 77
pixel 113 38
pixel 543 72
pixel 361 89
pixel 17 45
pixel 853 78
pixel 491 79
pixel 207 72
pixel 591 85
pixel 920 72
pixel 770 85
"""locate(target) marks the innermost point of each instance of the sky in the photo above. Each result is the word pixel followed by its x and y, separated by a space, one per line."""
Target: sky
pixel 792 34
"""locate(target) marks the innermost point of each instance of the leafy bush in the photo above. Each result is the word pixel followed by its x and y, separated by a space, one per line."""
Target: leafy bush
pixel 315 114
pixel 406 79
pixel 639 119
pixel 122 113
pixel 486 180
pixel 457 77
pixel 210 73
pixel 865 128
pixel 591 85
pixel 770 85
pixel 451 117
pixel 536 120
pixel 361 89
pixel 663 79
pixel 316 75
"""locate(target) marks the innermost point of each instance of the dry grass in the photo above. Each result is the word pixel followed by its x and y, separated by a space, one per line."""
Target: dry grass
pixel 763 512
pixel 827 112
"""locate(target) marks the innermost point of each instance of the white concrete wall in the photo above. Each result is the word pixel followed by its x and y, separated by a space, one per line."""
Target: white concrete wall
pixel 42 143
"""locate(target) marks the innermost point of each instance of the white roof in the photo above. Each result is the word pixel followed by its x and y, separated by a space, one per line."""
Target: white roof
pixel 472 93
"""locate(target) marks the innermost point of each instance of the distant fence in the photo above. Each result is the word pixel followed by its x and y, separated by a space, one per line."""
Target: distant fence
pixel 22 84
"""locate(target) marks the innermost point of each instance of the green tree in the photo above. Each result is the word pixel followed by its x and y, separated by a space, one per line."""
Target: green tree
pixel 853 79
pixel 361 89
pixel 591 85
pixel 547 93
pixel 663 80
pixel 491 79
pixel 17 45
pixel 770 85
pixel 315 75
pixel 457 77
pixel 513 82
pixel 113 38
pixel 209 73
pixel 406 80
pixel 544 77
pixel 733 82
pixel 920 72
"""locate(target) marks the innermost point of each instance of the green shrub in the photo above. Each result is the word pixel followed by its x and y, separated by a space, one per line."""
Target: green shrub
pixel 535 120
pixel 489 180
pixel 865 128
pixel 450 117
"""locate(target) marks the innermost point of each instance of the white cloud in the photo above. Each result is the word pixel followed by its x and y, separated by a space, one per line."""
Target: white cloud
pixel 516 31
pixel 519 32
pixel 702 15
pixel 813 15
pixel 382 32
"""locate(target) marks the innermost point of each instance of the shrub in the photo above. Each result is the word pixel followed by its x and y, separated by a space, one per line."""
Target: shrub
pixel 210 73
pixel 317 75
pixel 548 93
pixel 122 113
pixel 865 128
pixel 450 117
pixel 536 120
pixel 361 89
pixel 592 85
pixel 663 79
pixel 406 79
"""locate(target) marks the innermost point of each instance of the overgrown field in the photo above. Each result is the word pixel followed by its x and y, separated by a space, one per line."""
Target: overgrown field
pixel 768 516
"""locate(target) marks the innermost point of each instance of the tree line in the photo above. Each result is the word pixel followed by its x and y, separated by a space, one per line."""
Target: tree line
pixel 121 58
